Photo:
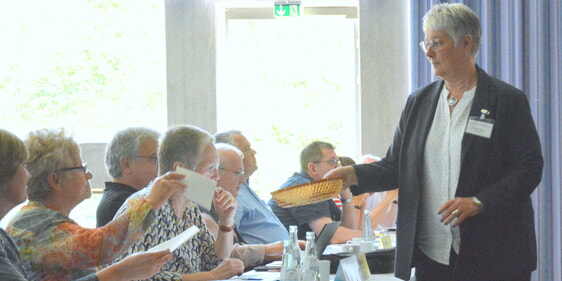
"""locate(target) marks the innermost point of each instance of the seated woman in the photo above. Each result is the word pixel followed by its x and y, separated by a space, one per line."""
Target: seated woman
pixel 204 257
pixel 51 245
pixel 13 180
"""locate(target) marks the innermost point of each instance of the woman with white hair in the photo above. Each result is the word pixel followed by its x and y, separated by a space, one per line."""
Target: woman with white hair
pixel 465 157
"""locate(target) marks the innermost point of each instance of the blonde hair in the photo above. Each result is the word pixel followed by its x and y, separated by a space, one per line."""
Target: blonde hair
pixel 49 151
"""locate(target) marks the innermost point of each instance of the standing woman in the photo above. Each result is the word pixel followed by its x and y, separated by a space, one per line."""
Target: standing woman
pixel 465 157
pixel 13 181
pixel 54 247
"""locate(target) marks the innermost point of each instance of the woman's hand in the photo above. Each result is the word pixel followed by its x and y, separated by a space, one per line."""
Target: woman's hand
pixel 460 208
pixel 225 206
pixel 163 186
pixel 346 173
pixel 137 266
pixel 228 268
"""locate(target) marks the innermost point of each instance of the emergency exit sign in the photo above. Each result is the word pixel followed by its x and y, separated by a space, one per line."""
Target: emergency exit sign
pixel 287 9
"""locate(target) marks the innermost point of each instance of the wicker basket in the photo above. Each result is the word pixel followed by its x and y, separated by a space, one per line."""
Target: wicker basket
pixel 307 193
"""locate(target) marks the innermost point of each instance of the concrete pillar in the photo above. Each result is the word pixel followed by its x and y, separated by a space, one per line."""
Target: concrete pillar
pixel 384 57
pixel 190 59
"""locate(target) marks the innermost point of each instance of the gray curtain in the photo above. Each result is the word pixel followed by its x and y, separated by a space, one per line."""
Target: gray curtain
pixel 522 46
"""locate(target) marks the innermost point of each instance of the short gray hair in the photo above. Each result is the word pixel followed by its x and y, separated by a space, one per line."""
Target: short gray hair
pixel 457 20
pixel 223 147
pixel 124 144
pixel 185 144
pixel 50 150
pixel 227 137
pixel 313 152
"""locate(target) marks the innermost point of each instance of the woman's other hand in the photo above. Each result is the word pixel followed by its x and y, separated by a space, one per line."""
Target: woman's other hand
pixel 225 206
pixel 137 266
pixel 163 186
pixel 228 268
pixel 459 208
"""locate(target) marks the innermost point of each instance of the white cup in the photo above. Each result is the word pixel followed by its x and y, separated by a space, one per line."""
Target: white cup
pixel 367 246
pixel 355 240
pixel 351 248
pixel 324 270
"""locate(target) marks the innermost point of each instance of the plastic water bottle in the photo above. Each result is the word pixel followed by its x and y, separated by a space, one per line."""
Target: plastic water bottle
pixel 293 232
pixel 310 264
pixel 288 265
pixel 367 227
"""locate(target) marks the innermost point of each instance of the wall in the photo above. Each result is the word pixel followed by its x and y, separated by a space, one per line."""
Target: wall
pixel 384 69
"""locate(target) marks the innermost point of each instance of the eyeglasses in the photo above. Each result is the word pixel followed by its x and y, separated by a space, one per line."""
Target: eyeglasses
pixel 152 159
pixel 239 173
pixel 211 169
pixel 83 167
pixel 333 162
pixel 433 44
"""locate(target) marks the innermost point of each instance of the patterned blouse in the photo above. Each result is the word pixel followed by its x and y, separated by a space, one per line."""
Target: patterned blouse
pixel 54 247
pixel 10 261
pixel 195 255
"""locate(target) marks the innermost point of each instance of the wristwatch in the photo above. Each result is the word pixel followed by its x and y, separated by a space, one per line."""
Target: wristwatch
pixel 478 204
pixel 348 200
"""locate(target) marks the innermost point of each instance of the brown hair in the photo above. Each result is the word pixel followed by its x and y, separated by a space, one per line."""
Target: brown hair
pixel 13 153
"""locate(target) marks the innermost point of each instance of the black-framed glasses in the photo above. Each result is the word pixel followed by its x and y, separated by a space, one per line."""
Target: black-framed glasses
pixel 433 44
pixel 333 162
pixel 239 173
pixel 153 159
pixel 83 167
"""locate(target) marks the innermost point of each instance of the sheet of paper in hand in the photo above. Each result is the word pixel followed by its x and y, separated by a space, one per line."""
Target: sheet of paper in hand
pixel 199 188
pixel 177 241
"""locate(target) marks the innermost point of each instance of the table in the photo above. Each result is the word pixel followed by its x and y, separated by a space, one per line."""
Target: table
pixel 272 276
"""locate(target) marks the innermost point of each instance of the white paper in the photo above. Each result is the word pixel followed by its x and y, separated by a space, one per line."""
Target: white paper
pixel 199 188
pixel 350 268
pixel 177 241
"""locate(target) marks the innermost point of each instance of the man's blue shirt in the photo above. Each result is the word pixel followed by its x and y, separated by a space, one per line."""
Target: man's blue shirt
pixel 255 221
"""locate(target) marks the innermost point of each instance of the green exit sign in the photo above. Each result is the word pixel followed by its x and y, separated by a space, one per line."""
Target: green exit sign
pixel 287 9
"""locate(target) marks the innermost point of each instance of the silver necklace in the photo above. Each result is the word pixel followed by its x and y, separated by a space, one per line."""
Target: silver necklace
pixel 452 101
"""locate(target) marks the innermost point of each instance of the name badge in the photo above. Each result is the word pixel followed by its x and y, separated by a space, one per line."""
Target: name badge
pixel 481 127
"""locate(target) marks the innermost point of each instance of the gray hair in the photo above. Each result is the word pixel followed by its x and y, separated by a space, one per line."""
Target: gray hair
pixel 125 144
pixel 313 152
pixel 227 137
pixel 50 150
pixel 224 147
pixel 457 20
pixel 185 144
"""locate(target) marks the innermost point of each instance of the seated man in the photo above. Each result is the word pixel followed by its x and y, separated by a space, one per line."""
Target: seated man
pixel 132 163
pixel 255 221
pixel 316 160
pixel 231 170
pixel 200 257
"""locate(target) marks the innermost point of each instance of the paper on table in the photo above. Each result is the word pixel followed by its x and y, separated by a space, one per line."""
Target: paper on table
pixel 199 188
pixel 177 241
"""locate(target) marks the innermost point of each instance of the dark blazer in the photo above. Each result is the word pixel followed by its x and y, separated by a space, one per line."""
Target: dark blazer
pixel 501 171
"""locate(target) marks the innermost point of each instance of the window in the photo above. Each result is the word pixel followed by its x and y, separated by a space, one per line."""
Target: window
pixel 287 82
pixel 89 66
